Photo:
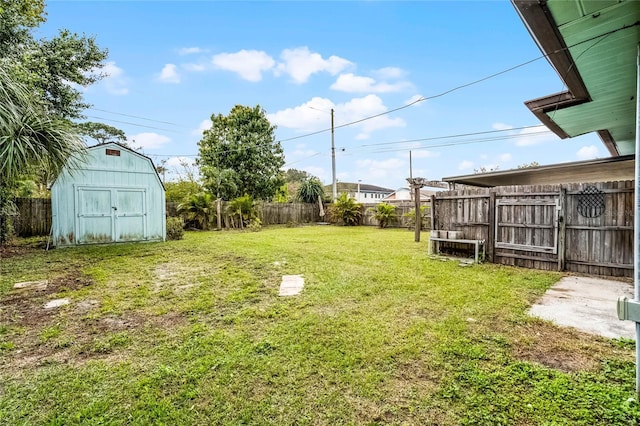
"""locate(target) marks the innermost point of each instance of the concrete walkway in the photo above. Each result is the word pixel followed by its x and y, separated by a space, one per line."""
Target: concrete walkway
pixel 588 304
pixel 291 285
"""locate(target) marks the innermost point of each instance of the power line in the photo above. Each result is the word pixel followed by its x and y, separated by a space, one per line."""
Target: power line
pixel 365 148
pixel 462 86
pixel 132 124
pixel 454 136
pixel 138 117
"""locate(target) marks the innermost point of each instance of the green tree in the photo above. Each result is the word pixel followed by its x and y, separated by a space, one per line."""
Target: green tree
pixel 384 213
pixel 17 18
pixel 309 190
pixel 240 156
pixel 30 140
pixel 55 69
pixel 180 191
pixel 295 175
pixel 102 133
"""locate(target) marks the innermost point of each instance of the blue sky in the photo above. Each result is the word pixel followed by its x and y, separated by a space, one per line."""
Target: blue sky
pixel 172 65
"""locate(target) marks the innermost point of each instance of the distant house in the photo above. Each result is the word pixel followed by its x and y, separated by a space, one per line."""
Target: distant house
pixel 361 192
pixel 405 194
pixel 115 196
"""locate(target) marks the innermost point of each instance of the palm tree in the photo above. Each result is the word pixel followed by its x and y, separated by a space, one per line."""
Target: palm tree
pixel 383 213
pixel 309 190
pixel 199 210
pixel 30 140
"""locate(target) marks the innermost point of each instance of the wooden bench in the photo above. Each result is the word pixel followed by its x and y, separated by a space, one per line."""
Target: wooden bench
pixel 433 248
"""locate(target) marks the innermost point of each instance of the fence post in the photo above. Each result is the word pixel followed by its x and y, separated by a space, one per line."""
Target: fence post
pixel 491 230
pixel 562 229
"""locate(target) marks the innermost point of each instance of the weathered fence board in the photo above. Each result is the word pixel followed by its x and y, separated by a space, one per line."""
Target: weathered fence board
pixel 34 215
pixel 586 228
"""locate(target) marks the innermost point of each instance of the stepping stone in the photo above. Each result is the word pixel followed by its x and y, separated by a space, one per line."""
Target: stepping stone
pixel 56 303
pixel 291 285
pixel 31 285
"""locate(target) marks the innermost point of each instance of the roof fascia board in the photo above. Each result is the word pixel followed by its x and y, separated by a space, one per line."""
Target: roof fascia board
pixel 538 20
pixel 484 179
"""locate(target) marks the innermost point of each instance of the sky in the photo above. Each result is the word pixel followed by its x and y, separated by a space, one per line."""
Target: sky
pixel 445 82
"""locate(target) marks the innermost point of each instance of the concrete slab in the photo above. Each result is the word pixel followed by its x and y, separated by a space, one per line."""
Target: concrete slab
pixel 291 285
pixel 31 285
pixel 56 303
pixel 587 304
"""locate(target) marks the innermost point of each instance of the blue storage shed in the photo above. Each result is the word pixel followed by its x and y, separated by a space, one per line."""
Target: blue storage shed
pixel 115 196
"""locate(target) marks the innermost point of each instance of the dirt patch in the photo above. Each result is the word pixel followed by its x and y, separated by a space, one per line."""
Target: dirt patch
pixel 25 307
pixel 32 336
pixel 563 349
pixel 13 249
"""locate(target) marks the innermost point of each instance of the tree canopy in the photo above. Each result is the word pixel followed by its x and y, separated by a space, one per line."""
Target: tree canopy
pixel 54 69
pixel 101 132
pixel 240 156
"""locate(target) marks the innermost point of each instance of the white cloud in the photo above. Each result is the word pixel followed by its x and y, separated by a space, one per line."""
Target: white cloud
pixel 588 152
pixel 415 100
pixel 423 153
pixel 189 50
pixel 115 81
pixel 204 125
pixel 148 140
pixel 319 172
pixel 534 136
pixel 501 126
pixel 300 63
pixel 465 165
pixel 178 161
pixel 389 73
pixel 506 157
pixel 249 64
pixel 169 74
pixel 194 67
pixel 359 108
pixel 312 115
pixel 375 169
pixel 315 115
pixel 352 83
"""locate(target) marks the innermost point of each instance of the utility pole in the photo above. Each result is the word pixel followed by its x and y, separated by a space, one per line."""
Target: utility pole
pixel 333 161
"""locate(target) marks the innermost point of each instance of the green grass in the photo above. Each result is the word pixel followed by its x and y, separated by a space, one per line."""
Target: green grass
pixel 194 332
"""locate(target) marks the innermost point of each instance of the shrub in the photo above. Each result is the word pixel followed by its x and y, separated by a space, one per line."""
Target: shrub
pixel 175 230
pixel 384 213
pixel 199 210
pixel 255 224
pixel 347 210
pixel 242 209
pixel 425 214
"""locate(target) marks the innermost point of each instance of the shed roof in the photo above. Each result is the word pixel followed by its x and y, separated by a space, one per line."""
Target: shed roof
pixel 120 146
pixel 592 45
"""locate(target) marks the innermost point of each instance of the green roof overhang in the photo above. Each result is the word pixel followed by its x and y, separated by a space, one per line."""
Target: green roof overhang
pixel 593 46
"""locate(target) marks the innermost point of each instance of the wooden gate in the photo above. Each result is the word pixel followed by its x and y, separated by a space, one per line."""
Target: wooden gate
pixel 527 224
pixel 577 227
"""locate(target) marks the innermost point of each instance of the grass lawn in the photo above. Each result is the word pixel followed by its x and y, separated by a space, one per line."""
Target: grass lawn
pixel 194 332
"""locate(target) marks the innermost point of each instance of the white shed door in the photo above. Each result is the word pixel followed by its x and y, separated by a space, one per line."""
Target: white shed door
pixel 130 215
pixel 95 216
pixel 111 215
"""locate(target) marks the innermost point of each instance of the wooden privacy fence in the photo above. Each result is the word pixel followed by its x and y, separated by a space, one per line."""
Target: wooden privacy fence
pixel 34 215
pixel 402 220
pixel 585 228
